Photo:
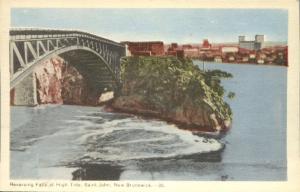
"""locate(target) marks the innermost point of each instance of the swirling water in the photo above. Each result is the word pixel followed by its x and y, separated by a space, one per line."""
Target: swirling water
pixel 59 141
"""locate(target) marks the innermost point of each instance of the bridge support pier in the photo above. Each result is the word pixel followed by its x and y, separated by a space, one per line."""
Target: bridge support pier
pixel 25 93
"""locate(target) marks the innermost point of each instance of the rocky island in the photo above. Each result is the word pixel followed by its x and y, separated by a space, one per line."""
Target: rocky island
pixel 175 90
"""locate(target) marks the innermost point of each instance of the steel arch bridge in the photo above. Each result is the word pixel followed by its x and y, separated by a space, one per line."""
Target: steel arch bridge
pixel 97 58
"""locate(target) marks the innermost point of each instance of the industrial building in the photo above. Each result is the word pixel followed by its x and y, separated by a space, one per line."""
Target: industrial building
pixel 256 45
pixel 144 48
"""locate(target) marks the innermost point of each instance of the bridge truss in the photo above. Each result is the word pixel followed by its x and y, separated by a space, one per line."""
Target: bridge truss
pixel 28 47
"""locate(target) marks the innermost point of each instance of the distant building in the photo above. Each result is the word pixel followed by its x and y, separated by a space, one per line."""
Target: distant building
pixel 205 45
pixel 260 61
pixel 252 55
pixel 243 51
pixel 127 52
pixel 175 50
pixel 257 44
pixel 191 52
pixel 245 59
pixel 250 45
pixel 187 46
pixel 231 58
pixel 229 49
pixel 218 59
pixel 144 48
pixel 260 38
pixel 174 46
pixel 177 53
pixel 242 38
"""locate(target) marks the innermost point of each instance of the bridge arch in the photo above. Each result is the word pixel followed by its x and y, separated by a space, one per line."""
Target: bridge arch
pixel 97 59
pixel 70 54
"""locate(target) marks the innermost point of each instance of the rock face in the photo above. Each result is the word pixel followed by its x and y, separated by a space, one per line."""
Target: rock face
pixel 48 77
pixel 173 90
pixel 58 82
pixel 190 117
pixel 74 86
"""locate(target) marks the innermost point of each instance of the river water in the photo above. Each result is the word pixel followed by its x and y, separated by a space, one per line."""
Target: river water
pixel 80 142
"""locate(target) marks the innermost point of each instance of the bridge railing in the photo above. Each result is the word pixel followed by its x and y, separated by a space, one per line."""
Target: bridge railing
pixel 31 33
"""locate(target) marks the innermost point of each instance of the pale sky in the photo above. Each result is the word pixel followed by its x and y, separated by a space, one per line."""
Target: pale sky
pixel 168 25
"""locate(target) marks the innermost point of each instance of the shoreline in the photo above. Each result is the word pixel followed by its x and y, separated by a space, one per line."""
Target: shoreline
pixel 149 114
pixel 228 63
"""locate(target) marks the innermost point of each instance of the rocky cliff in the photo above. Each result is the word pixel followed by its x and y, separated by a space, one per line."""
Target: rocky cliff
pixel 58 82
pixel 48 78
pixel 174 90
pixel 55 81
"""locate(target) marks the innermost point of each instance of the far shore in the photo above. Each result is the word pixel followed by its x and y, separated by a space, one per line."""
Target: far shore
pixel 239 63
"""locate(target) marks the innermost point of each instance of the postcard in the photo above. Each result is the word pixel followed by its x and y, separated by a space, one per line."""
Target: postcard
pixel 150 96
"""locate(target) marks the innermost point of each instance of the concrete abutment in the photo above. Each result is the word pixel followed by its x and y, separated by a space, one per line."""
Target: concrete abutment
pixel 25 93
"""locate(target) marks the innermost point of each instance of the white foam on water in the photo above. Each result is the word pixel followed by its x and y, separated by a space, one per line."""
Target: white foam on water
pixel 157 140
pixel 92 136
pixel 88 117
pixel 46 106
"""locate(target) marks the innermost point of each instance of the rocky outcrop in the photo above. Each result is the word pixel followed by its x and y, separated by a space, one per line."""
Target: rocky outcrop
pixel 58 82
pixel 188 116
pixel 48 77
pixel 74 86
pixel 173 90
